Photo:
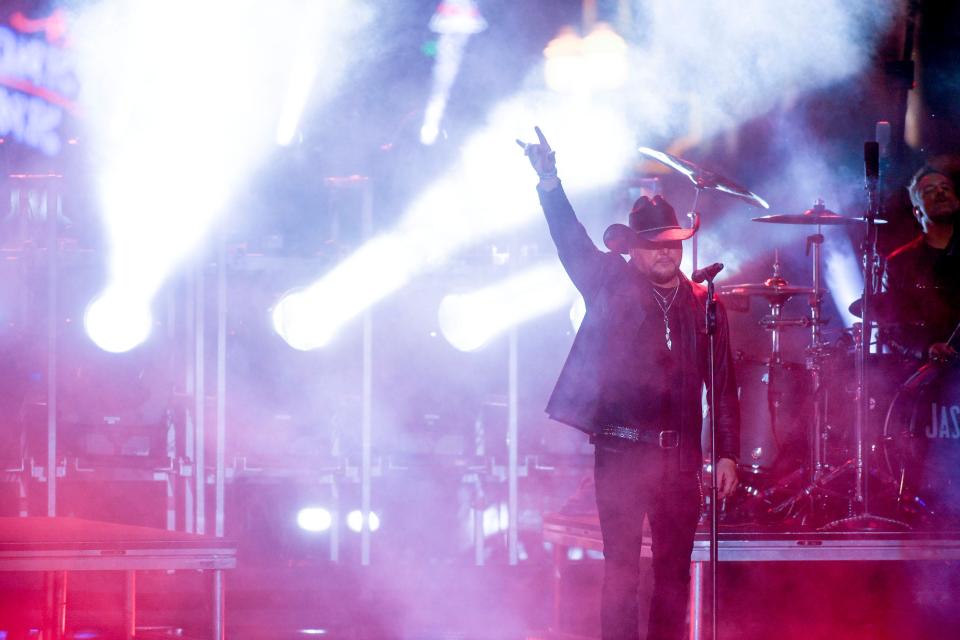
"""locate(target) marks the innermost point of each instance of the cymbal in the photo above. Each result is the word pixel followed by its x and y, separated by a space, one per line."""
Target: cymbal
pixel 775 293
pixel 704 178
pixel 801 218
pixel 817 215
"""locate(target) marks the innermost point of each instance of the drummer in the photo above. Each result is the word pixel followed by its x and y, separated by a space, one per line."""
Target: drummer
pixel 925 270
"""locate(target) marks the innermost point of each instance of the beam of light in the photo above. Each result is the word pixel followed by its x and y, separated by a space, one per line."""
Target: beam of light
pixel 730 66
pixel 314 519
pixel 182 99
pixel 305 64
pixel 470 320
pixel 489 191
pixel 455 21
pixel 844 278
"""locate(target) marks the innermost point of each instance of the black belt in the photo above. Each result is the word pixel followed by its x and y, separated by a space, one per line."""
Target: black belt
pixel 664 439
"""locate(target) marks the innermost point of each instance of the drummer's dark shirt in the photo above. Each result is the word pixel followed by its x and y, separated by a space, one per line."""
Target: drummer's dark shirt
pixel 927 278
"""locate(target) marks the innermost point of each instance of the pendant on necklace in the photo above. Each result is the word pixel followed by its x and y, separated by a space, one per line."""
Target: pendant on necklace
pixel 667 335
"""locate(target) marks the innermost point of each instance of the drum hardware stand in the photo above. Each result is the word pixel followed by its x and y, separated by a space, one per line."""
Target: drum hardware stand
pixel 818 481
pixel 815 352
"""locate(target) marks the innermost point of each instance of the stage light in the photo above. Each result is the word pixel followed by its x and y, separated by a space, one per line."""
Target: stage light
pixel 181 100
pixel 605 58
pixel 469 321
pixel 355 521
pixel 496 518
pixel 564 68
pixel 315 519
pixel 455 21
pixel 598 62
pixel 117 323
pixel 457 16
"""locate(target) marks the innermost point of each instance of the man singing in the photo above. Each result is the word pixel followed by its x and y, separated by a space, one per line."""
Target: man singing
pixel 633 381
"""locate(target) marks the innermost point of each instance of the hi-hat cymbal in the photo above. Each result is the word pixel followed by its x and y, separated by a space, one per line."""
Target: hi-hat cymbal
pixel 704 178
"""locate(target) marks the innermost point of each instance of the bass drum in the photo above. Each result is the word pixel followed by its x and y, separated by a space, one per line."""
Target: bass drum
pixel 921 444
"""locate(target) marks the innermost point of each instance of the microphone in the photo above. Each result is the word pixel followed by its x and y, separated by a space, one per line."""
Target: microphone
pixel 707 273
pixel 871 163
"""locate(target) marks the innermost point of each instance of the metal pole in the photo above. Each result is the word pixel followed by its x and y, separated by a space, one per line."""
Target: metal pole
pixel 52 325
pixel 199 400
pixel 221 385
pixel 189 376
pixel 218 631
pixel 816 446
pixel 130 604
pixel 479 505
pixel 367 410
pixel 696 601
pixel 335 526
pixel 512 449
pixel 60 604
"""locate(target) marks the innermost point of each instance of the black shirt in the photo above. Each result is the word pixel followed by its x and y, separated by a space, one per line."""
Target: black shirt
pixel 630 400
pixel 925 283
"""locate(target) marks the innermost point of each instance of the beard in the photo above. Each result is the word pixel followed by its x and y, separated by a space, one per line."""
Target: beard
pixel 663 272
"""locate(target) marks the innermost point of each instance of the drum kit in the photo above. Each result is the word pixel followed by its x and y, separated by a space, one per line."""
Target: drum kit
pixel 858 436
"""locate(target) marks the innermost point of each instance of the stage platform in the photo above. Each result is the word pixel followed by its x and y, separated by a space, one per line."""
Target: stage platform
pixel 735 545
pixel 57 546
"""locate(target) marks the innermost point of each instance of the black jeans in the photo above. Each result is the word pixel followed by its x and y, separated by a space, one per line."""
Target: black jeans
pixel 633 480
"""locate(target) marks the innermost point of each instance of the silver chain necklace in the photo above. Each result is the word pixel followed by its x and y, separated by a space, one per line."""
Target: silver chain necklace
pixel 664 304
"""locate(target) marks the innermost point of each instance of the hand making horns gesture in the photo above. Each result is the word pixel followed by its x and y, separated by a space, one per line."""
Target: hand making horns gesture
pixel 543 159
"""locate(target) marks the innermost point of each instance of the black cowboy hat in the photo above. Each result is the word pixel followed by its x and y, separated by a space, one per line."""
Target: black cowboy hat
pixel 650 221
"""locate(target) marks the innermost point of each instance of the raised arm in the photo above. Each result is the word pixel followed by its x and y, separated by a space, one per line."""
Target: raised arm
pixel 580 257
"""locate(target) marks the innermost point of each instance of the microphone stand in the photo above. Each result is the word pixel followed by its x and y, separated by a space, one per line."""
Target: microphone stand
pixel 861 516
pixel 711 325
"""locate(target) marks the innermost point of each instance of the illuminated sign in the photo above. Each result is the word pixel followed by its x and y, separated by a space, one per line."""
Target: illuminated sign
pixel 38 84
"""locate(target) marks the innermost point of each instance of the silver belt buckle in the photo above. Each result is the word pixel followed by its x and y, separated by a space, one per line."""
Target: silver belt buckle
pixel 669 439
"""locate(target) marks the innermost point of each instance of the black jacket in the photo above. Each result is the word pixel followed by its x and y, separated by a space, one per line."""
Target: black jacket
pixel 619 306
